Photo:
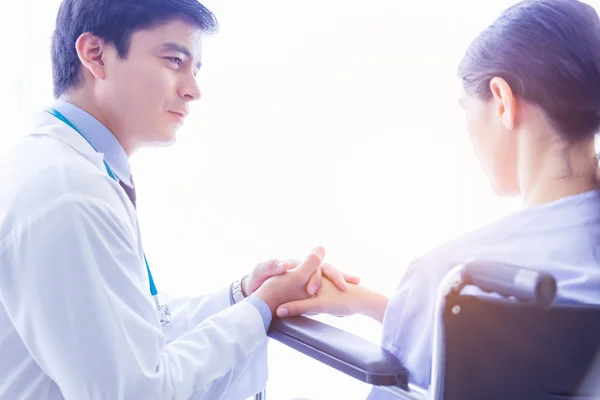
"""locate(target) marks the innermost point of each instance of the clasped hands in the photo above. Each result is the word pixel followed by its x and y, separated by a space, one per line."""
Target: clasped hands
pixel 292 288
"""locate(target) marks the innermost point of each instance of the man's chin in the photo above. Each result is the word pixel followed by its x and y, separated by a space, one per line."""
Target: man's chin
pixel 165 139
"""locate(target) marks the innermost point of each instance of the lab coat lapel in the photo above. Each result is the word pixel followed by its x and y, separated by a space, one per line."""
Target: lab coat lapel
pixel 48 125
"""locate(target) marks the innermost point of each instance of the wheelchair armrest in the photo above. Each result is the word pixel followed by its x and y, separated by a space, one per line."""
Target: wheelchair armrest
pixel 341 350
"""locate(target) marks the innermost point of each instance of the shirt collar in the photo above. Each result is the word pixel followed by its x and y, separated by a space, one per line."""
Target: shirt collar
pixel 100 137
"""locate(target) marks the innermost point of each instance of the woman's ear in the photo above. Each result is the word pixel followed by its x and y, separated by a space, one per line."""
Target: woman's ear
pixel 505 102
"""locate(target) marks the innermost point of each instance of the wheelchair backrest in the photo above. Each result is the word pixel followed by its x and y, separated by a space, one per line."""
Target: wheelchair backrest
pixel 502 349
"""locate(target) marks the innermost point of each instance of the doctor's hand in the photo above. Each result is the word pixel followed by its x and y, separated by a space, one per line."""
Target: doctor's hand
pixel 266 270
pixel 291 285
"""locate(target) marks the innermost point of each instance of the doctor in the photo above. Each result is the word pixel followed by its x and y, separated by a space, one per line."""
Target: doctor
pixel 80 315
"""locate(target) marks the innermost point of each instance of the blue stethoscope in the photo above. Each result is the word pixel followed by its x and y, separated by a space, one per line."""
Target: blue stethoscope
pixel 164 314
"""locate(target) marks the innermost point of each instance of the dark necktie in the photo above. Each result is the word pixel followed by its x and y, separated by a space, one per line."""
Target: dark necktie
pixel 130 191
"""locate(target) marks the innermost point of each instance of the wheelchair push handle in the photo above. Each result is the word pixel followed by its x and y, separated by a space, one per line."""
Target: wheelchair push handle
pixel 525 284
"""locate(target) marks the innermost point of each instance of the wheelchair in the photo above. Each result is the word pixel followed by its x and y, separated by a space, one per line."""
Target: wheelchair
pixel 510 343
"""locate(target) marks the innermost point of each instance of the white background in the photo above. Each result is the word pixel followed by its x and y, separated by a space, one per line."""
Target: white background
pixel 331 122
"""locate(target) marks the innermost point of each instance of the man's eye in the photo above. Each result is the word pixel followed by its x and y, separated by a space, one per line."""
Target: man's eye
pixel 176 60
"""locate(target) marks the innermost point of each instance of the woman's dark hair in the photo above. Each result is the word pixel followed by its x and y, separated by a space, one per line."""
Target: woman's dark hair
pixel 548 51
pixel 114 21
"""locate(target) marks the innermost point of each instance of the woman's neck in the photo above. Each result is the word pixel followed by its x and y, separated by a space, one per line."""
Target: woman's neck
pixel 552 169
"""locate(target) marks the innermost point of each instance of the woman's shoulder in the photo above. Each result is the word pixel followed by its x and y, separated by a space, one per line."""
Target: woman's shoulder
pixel 524 236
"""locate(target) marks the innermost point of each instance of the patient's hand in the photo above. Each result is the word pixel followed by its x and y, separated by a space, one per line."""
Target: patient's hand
pixel 339 278
pixel 329 299
pixel 263 271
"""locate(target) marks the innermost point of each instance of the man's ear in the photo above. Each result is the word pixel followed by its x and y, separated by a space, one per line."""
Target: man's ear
pixel 90 49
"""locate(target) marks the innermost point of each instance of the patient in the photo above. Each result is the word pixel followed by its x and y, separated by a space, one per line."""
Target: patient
pixel 532 104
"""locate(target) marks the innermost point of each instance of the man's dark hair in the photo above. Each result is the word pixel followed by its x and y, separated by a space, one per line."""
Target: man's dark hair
pixel 548 51
pixel 114 21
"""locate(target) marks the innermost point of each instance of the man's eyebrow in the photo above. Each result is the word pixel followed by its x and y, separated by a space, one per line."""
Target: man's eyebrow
pixel 176 47
pixel 180 49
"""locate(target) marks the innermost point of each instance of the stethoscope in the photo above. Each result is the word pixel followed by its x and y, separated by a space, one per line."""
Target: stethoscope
pixel 164 314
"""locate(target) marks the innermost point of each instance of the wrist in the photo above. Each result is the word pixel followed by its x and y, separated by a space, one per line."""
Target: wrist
pixel 372 304
pixel 269 297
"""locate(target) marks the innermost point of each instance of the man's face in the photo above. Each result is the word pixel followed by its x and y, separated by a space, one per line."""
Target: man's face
pixel 146 95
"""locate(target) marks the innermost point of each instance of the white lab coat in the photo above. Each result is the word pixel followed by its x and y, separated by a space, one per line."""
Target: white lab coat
pixel 76 317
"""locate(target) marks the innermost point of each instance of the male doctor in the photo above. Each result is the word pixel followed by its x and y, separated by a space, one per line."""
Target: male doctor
pixel 80 316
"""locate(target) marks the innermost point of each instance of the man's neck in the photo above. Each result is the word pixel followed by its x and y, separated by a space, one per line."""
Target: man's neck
pixel 83 100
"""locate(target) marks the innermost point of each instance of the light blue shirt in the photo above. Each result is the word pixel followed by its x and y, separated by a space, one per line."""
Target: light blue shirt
pixel 100 137
pixel 561 238
pixel 103 140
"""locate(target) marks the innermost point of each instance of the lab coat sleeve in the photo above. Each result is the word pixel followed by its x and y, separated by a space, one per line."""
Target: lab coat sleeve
pixel 75 288
pixel 189 312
